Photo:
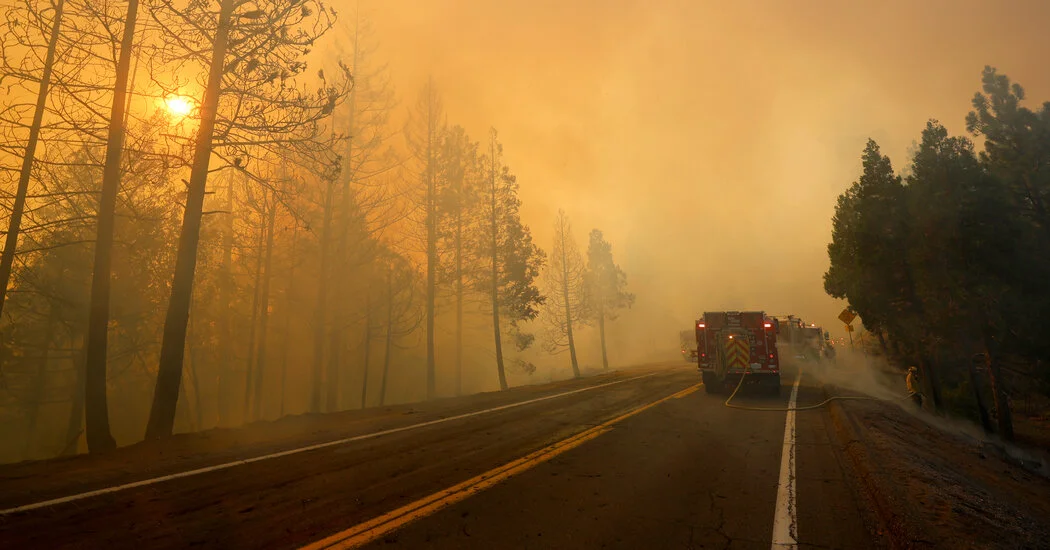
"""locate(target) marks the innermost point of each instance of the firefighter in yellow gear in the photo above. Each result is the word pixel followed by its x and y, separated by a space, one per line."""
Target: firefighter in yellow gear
pixel 914 387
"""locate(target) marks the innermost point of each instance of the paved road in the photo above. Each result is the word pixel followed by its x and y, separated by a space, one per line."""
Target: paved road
pixel 636 460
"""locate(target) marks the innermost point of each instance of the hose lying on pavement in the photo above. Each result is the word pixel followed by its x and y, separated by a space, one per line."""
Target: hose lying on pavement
pixel 797 408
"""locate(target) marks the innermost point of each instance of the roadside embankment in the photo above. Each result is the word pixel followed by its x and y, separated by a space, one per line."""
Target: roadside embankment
pixel 934 483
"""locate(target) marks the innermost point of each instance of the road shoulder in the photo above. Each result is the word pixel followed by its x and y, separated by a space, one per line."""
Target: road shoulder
pixel 45 479
pixel 932 485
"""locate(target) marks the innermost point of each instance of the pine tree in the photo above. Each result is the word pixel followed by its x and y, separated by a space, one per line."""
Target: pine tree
pixel 607 286
pixel 514 261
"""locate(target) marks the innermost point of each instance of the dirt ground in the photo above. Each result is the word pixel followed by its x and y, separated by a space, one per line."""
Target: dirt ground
pixel 937 483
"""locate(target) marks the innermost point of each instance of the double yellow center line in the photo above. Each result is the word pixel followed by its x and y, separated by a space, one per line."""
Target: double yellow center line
pixel 369 531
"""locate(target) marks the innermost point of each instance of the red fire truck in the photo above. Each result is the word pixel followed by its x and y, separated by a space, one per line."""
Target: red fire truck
pixel 730 343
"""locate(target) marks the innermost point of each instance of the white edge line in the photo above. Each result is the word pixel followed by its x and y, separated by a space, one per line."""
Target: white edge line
pixel 785 524
pixel 217 467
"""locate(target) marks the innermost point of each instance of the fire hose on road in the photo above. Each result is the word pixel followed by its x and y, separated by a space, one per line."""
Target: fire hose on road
pixel 739 384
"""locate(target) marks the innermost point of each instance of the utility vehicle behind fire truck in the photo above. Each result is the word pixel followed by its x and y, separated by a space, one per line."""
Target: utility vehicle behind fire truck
pixel 800 341
pixel 732 343
pixel 688 343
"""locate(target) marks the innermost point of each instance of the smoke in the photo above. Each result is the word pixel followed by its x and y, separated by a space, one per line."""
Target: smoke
pixel 874 377
pixel 708 141
pixel 860 373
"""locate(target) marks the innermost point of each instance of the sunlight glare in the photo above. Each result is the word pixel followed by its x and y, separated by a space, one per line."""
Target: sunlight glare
pixel 178 106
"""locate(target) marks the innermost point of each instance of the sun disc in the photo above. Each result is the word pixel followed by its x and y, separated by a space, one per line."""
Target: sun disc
pixel 178 106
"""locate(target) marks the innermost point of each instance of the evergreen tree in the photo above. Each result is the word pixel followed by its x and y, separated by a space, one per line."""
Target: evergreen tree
pixel 607 286
pixel 514 260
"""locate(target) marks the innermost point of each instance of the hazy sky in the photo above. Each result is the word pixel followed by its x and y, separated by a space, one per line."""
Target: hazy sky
pixel 709 140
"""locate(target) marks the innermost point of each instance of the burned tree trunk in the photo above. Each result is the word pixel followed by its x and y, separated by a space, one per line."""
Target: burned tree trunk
pixel 459 300
pixel 75 425
pixel 98 434
pixel 192 364
pixel 321 312
pixel 40 380
pixel 173 343
pixel 494 219
pixel 287 329
pixel 225 321
pixel 975 382
pixel 1003 414
pixel 601 335
pixel 389 336
pixel 368 349
pixel 256 288
pixel 14 225
pixel 264 310
pixel 568 310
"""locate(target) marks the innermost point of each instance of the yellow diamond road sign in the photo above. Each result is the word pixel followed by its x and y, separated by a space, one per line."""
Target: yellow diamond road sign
pixel 847 316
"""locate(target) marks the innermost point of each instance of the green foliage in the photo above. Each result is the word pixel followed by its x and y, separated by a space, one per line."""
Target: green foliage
pixel 519 259
pixel 868 232
pixel 1017 154
pixel 501 238
pixel 953 260
pixel 607 283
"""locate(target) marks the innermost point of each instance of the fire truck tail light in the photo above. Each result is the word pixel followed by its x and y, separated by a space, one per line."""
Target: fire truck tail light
pixel 768 325
pixel 700 325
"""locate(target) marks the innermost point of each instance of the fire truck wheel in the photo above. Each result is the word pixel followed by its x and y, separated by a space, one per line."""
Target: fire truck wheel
pixel 774 386
pixel 711 384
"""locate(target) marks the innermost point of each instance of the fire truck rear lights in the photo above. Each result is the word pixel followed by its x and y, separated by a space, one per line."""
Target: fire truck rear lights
pixel 700 325
pixel 768 325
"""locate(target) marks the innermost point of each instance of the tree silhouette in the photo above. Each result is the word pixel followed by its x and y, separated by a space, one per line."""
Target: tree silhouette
pixel 424 135
pixel 566 290
pixel 607 286
pixel 254 53
pixel 514 260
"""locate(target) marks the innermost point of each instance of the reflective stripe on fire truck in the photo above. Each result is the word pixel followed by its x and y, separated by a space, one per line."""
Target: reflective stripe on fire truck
pixel 738 353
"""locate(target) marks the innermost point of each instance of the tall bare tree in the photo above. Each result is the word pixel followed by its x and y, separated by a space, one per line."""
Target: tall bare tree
pixel 321 325
pixel 226 289
pixel 256 52
pixel 566 281
pixel 264 311
pixel 403 313
pixel 458 198
pixel 7 257
pixel 424 137
pixel 350 213
pixel 96 407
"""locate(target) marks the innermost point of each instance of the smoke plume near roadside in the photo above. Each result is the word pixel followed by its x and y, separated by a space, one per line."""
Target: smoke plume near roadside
pixel 875 377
